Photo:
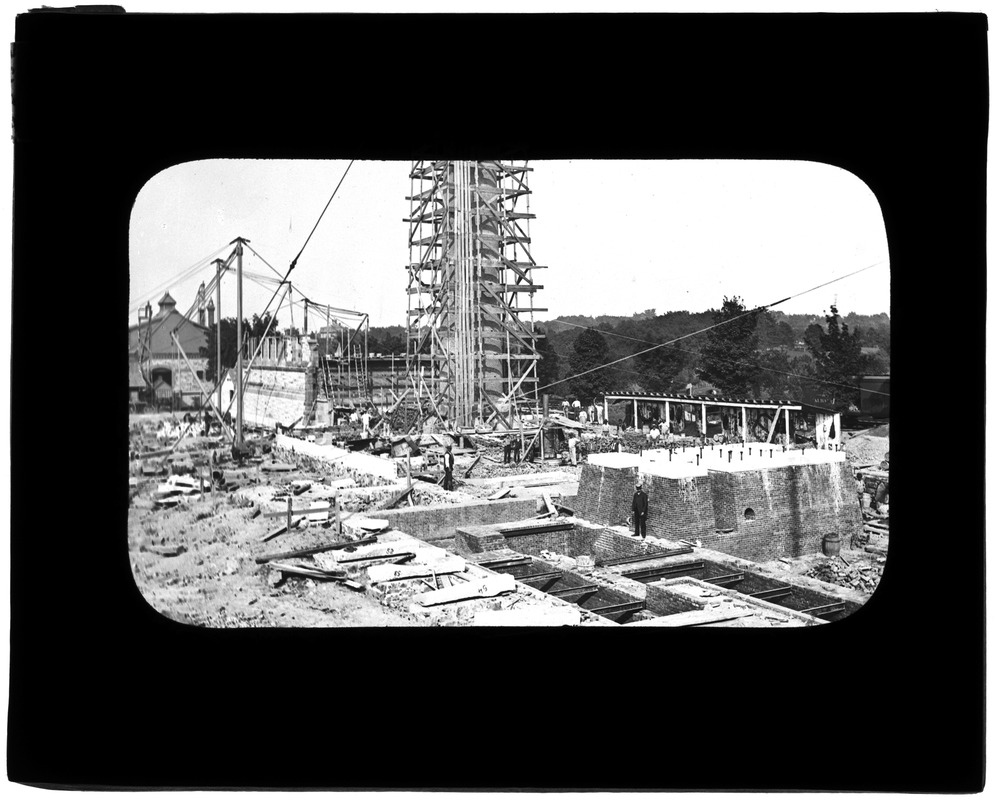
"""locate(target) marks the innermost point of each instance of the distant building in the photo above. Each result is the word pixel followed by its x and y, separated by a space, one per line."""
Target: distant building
pixel 154 361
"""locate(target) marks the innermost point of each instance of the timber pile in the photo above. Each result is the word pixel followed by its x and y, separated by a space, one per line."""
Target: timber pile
pixel 863 577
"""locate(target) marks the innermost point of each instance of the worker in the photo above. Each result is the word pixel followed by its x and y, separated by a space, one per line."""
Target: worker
pixel 507 451
pixel 448 463
pixel 517 447
pixel 366 421
pixel 572 447
pixel 582 417
pixel 654 435
pixel 640 508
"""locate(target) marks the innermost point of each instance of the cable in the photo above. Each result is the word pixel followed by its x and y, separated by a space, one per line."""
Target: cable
pixel 181 276
pixel 704 330
pixel 731 361
pixel 294 262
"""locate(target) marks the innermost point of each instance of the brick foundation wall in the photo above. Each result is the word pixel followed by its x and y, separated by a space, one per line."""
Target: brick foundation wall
pixel 679 508
pixel 793 508
pixel 442 522
pixel 609 544
pixel 274 395
pixel 663 602
pixel 604 494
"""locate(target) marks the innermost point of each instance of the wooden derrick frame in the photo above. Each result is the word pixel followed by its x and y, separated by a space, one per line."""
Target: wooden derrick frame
pixel 453 312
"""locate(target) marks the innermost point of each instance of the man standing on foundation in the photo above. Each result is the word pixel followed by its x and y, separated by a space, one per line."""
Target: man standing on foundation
pixel 640 507
pixel 448 462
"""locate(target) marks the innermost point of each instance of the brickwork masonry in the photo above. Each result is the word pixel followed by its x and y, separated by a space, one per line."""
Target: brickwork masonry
pixel 759 515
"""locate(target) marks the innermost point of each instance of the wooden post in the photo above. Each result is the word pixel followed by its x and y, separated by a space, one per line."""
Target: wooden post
pixel 635 414
pixel 787 426
pixel 605 420
pixel 338 515
pixel 201 483
pixel 666 415
pixel 704 422
pixel 238 373
pixel 409 469
pixel 744 424
pixel 217 333
pixel 290 514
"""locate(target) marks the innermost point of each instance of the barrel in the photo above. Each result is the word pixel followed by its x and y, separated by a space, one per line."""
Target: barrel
pixel 831 544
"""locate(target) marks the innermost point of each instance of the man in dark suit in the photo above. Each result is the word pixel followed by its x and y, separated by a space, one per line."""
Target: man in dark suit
pixel 448 462
pixel 640 507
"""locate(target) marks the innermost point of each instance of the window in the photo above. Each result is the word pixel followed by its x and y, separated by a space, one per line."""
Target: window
pixel 749 514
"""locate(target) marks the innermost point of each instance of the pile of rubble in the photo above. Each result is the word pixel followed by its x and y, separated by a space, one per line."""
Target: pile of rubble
pixel 837 570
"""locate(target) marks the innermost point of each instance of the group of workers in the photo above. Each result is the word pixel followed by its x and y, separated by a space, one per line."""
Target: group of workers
pixel 574 410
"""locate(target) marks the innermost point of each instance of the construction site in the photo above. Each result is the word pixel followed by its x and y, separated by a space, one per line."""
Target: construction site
pixel 315 484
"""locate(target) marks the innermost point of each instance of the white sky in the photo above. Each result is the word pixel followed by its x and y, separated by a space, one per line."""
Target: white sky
pixel 618 236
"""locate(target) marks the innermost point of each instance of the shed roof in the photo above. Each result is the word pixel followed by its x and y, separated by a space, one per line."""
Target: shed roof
pixel 709 399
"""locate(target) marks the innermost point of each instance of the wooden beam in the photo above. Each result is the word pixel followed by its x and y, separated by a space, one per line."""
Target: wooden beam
pixel 310 551
pixel 490 586
pixel 381 573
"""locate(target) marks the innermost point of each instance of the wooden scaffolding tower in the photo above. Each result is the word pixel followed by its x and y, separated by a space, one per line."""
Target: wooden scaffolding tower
pixel 471 350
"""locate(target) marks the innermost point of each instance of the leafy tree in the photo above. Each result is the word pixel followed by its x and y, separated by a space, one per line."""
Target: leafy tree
pixel 590 350
pixel 837 359
pixel 660 368
pixel 548 368
pixel 729 355
pixel 229 346
pixel 229 341
pixel 259 325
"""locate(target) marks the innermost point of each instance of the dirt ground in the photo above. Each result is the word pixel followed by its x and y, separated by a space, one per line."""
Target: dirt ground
pixel 195 561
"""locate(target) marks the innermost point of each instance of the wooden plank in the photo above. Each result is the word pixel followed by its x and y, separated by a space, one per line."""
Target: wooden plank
pixel 308 572
pixel 397 498
pixel 703 617
pixel 315 509
pixel 380 573
pixel 500 493
pixel 549 503
pixel 485 587
pixel 377 551
pixel 470 468
pixel 310 551
pixel 278 532
pixel 277 467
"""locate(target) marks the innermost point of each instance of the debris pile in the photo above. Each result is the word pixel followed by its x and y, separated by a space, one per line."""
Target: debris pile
pixel 857 575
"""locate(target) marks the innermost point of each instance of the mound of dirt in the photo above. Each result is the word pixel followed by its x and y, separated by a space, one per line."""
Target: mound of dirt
pixel 868 448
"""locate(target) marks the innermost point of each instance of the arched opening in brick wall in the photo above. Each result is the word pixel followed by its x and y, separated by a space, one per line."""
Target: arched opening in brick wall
pixel 749 514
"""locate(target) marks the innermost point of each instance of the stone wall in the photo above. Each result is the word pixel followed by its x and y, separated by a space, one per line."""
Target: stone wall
pixel 274 395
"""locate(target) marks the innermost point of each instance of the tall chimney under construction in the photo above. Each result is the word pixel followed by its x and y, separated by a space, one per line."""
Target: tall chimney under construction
pixel 471 341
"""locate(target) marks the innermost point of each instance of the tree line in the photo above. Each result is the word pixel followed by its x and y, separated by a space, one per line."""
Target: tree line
pixel 743 353
pixel 740 352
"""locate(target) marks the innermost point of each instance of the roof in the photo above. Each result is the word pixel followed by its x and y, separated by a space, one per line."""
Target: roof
pixel 707 399
pixel 161 315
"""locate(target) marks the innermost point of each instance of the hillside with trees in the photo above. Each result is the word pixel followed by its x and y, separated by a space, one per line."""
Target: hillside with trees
pixel 746 353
